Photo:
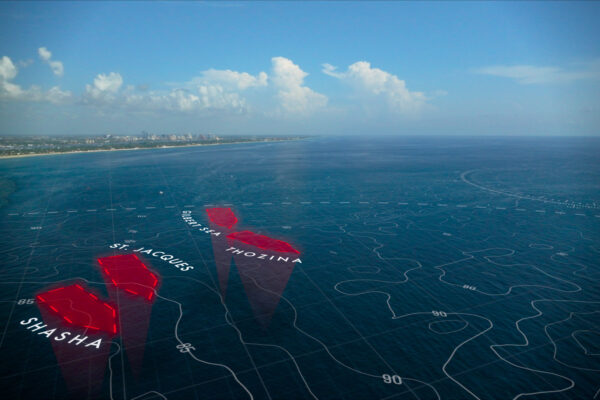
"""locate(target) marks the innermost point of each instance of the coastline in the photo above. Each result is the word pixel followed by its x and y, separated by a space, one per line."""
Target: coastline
pixel 3 157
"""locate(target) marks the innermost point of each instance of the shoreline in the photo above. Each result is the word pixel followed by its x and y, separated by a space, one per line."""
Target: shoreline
pixel 3 157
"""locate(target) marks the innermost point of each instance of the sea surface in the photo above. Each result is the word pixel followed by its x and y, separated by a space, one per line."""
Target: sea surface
pixel 430 268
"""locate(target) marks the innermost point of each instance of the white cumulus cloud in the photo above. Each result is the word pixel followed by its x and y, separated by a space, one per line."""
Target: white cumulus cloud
pixel 44 53
pixel 56 66
pixel 108 83
pixel 288 80
pixel 12 91
pixel 375 82
pixel 107 90
pixel 103 91
pixel 233 79
pixel 56 95
pixel 282 91
pixel 8 70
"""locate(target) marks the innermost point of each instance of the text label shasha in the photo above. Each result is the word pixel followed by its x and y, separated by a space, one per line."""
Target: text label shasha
pixel 59 336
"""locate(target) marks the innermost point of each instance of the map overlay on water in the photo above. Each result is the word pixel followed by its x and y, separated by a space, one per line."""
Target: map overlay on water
pixel 327 268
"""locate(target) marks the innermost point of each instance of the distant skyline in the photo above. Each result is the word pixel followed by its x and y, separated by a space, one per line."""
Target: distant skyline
pixel 296 68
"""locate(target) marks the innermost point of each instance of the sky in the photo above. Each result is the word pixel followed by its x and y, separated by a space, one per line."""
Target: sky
pixel 300 68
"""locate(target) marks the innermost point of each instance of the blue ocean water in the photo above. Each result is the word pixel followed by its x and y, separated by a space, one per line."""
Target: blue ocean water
pixel 431 268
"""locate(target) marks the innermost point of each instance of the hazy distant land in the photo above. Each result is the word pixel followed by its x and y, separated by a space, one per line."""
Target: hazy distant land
pixel 16 146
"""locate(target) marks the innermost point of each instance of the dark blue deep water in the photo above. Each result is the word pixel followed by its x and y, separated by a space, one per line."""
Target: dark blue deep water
pixel 452 268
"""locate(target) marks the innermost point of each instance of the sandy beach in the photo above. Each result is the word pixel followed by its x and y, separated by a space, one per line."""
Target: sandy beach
pixel 136 148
